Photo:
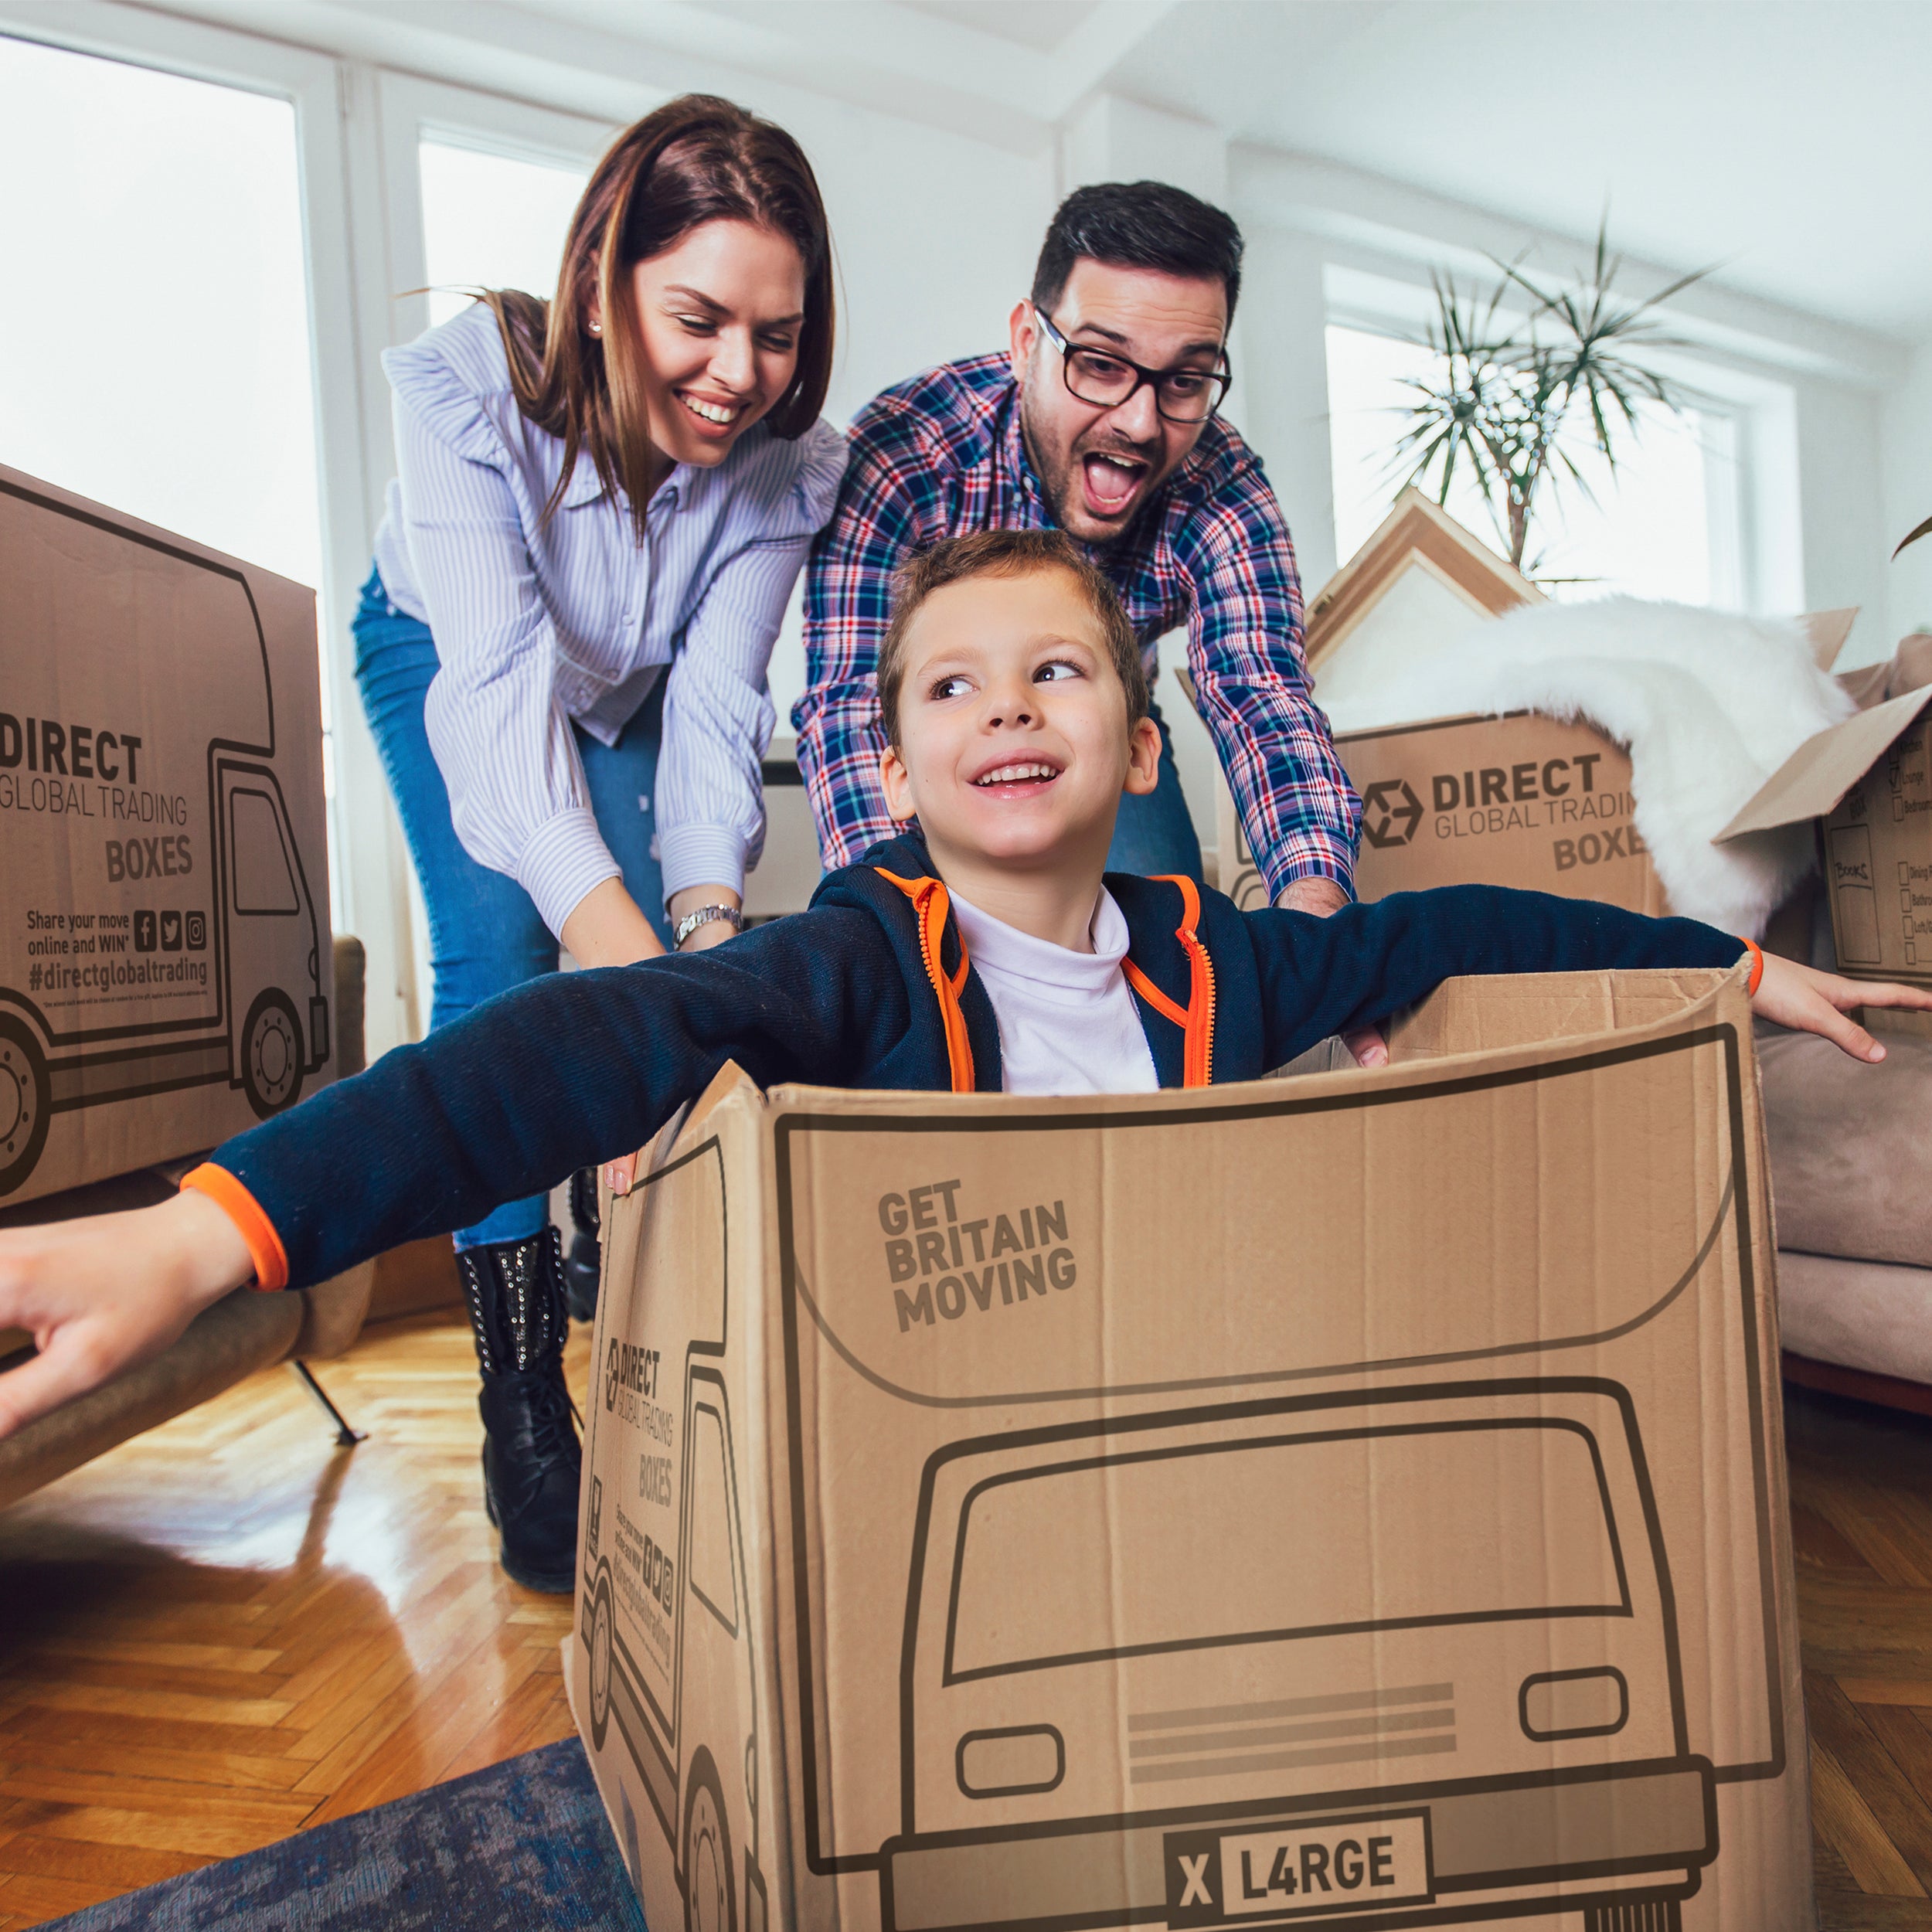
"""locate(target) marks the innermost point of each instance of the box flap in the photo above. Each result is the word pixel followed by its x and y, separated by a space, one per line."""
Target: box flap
pixel 1811 781
pixel 1828 630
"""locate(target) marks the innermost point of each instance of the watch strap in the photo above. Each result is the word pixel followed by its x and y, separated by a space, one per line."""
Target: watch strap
pixel 703 916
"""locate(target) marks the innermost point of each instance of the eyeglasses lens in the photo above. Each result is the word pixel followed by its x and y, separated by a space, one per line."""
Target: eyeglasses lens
pixel 1182 397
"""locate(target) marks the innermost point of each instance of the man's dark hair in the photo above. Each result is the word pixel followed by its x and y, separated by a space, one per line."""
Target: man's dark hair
pixel 1138 224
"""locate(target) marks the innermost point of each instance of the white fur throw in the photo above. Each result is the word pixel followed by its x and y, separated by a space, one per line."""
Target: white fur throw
pixel 1710 705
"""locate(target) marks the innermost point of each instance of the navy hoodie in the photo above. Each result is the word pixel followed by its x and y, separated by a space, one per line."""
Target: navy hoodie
pixel 869 987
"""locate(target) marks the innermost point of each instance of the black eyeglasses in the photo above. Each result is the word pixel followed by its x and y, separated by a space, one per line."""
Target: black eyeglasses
pixel 1099 376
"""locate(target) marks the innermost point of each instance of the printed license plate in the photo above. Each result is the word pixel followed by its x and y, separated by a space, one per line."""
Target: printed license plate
pixel 1324 1867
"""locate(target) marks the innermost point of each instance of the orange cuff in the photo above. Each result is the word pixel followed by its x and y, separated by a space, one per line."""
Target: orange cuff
pixel 265 1247
pixel 1758 969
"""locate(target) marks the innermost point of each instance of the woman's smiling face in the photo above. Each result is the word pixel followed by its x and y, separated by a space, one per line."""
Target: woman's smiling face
pixel 719 317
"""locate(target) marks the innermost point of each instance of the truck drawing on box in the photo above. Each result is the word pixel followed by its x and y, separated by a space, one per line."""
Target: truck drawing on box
pixel 1269 1647
pixel 153 837
pixel 1371 1664
pixel 665 1600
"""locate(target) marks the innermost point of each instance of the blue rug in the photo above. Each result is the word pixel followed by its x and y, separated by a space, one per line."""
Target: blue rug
pixel 523 1847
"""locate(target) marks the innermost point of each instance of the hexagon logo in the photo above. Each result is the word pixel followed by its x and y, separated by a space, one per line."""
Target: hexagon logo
pixel 1390 813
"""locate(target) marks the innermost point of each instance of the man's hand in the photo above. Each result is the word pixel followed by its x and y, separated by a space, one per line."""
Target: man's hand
pixel 101 1296
pixel 1321 897
pixel 1809 1001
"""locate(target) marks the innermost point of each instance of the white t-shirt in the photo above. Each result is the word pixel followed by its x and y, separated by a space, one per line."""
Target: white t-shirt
pixel 1067 1022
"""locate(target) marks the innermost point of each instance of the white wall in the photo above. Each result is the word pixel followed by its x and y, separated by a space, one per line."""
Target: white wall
pixel 1905 434
pixel 1839 483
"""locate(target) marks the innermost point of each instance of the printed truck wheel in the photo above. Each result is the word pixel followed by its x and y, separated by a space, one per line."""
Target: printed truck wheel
pixel 600 1665
pixel 707 1854
pixel 271 1054
pixel 26 1099
pixel 1635 1915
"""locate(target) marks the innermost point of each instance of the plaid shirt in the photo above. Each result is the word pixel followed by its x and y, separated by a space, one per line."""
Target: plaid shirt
pixel 942 455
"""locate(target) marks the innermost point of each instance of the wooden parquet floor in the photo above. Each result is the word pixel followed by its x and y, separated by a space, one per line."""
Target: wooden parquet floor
pixel 1862 1528
pixel 227 1631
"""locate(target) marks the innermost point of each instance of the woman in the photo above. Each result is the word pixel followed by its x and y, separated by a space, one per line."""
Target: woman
pixel 601 505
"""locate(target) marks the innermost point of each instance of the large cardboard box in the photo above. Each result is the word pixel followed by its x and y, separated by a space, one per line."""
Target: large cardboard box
pixel 1353 1500
pixel 1868 783
pixel 1522 800
pixel 165 970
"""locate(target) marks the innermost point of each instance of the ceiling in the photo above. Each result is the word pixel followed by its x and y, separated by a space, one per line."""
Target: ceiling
pixel 1042 25
pixel 1791 144
pixel 1787 142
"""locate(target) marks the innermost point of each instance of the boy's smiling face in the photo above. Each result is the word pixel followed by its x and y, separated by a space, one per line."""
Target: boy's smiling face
pixel 1013 744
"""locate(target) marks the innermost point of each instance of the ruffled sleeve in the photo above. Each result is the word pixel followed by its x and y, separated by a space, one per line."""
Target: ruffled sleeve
pixel 718 714
pixel 502 738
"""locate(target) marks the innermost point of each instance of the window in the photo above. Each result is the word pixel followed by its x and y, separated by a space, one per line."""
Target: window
pixel 265 882
pixel 1308 1536
pixel 1664 525
pixel 492 221
pixel 156 333
pixel 713 1574
pixel 156 328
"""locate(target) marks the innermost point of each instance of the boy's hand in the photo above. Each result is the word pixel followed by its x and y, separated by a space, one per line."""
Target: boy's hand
pixel 1790 994
pixel 1321 897
pixel 99 1296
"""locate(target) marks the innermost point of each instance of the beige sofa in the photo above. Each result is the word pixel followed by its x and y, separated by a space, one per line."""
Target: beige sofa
pixel 1850 1150
pixel 245 1332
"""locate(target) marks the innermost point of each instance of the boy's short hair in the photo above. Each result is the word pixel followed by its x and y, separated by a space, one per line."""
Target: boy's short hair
pixel 1005 553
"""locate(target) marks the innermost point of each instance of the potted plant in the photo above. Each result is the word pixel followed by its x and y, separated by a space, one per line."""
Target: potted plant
pixel 1506 391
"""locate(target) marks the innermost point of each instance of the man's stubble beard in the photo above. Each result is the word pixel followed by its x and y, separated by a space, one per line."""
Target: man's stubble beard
pixel 1062 490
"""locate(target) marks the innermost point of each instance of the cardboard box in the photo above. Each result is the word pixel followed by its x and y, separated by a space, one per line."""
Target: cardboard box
pixel 1868 783
pixel 1519 800
pixel 165 970
pixel 1355 1499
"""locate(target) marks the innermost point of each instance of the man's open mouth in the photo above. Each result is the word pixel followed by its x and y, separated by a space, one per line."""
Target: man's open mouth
pixel 1112 482
pixel 1018 777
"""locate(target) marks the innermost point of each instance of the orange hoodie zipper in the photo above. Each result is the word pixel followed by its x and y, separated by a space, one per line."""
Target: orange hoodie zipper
pixel 932 906
pixel 1196 1020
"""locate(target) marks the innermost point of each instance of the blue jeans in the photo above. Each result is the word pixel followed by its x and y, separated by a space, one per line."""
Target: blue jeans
pixel 485 935
pixel 1154 834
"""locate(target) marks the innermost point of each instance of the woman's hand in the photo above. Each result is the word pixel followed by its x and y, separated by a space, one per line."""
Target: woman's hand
pixel 101 1296
pixel 1790 994
pixel 620 1175
pixel 607 927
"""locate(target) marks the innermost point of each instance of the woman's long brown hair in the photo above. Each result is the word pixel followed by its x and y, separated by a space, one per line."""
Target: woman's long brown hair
pixel 697 159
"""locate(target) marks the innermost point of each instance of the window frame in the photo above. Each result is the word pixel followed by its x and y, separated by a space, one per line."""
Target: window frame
pixel 357 128
pixel 1753 526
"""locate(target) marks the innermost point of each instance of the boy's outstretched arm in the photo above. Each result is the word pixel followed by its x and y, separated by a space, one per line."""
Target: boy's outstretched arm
pixel 1364 964
pixel 565 1071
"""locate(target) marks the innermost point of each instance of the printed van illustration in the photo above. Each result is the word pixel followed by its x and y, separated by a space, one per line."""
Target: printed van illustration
pixel 665 1603
pixel 161 860
pixel 1425 1569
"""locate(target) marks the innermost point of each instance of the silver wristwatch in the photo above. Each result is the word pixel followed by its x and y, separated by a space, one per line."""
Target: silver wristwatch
pixel 703 916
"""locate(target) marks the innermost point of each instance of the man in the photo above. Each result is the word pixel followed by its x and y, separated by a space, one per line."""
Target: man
pixel 1101 420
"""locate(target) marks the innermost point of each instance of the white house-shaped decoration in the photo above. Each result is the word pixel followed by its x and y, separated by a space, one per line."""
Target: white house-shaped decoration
pixel 1418 585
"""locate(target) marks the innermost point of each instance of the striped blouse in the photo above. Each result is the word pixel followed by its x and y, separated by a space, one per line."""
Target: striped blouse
pixel 538 626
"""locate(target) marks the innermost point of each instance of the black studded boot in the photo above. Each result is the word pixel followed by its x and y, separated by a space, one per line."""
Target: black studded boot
pixel 585 1262
pixel 532 1461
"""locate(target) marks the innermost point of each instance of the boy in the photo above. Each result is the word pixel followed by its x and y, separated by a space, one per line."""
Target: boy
pixel 981 952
